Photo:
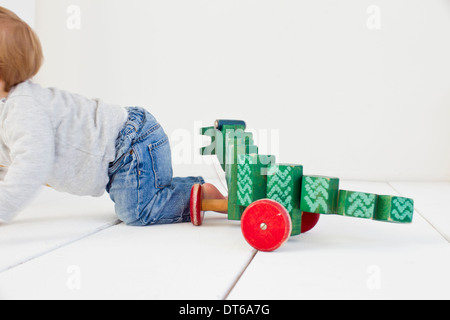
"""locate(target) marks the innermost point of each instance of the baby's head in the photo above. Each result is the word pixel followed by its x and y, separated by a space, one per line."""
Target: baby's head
pixel 20 50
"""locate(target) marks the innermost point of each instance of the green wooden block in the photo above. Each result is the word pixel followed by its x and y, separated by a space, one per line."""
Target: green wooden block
pixel 319 195
pixel 235 147
pixel 284 186
pixel 220 140
pixel 211 149
pixel 394 209
pixel 357 204
pixel 252 177
pixel 223 138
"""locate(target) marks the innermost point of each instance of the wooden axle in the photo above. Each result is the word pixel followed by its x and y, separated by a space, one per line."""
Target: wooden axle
pixel 215 205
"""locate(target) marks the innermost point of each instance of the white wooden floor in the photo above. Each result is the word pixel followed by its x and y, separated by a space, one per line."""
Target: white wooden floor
pixel 65 247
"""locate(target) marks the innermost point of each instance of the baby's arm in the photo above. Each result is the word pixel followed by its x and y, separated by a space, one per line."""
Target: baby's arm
pixel 28 133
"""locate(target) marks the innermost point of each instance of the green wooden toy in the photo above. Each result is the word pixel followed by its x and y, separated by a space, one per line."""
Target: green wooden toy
pixel 274 201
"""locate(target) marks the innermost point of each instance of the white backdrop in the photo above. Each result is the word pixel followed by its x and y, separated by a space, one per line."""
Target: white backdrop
pixel 25 9
pixel 355 89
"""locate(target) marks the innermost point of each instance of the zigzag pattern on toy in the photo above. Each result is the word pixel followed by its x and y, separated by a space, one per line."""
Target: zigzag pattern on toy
pixel 279 189
pixel 361 205
pixel 316 194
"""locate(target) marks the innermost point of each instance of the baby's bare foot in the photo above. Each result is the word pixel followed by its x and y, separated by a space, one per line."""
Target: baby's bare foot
pixel 211 192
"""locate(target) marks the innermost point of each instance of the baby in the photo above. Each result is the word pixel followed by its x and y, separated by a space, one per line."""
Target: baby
pixel 80 146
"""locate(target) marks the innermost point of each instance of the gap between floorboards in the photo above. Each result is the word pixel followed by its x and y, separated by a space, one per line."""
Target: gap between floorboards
pixel 255 252
pixel 65 244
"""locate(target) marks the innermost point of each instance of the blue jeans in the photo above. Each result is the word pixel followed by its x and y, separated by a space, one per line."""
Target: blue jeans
pixel 141 183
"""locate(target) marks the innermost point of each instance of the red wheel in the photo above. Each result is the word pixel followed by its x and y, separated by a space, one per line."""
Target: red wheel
pixel 309 221
pixel 196 205
pixel 266 225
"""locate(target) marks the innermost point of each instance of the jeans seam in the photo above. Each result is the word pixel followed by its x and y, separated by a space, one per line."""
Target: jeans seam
pixel 138 179
pixel 149 132
pixel 160 143
pixel 153 168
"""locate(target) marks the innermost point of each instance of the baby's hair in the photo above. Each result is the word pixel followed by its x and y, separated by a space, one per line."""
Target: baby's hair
pixel 20 50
